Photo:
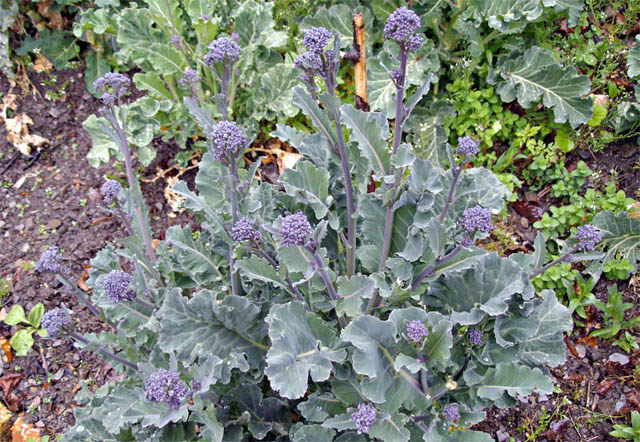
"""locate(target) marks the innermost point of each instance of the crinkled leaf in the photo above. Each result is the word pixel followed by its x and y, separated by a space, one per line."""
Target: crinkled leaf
pixel 318 116
pixel 275 96
pixel 514 380
pixel 352 292
pixel 487 287
pixel 258 268
pixel 535 75
pixel 231 329
pixel 620 234
pixel 296 352
pixel 310 186
pixel 255 26
pixel 318 407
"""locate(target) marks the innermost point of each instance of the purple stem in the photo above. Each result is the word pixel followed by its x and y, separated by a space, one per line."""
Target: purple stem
pixel 344 162
pixel 457 171
pixel 429 270
pixel 397 138
pixel 562 258
pixel 78 294
pixel 103 351
pixel 136 193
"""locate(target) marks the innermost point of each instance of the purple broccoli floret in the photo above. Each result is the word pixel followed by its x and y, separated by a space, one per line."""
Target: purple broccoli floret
pixel 476 218
pixel 116 286
pixel 295 229
pixel 475 336
pixel 227 138
pixel 364 417
pixel 54 321
pixel 49 261
pixel 222 50
pixel 190 80
pixel 589 237
pixel 166 386
pixel 416 331
pixel 243 230
pixel 401 27
pixel 110 191
pixel 316 38
pixel 308 61
pixel 118 83
pixel 467 146
pixel 451 412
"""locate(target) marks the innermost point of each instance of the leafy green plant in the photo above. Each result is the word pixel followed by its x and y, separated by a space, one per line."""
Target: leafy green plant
pixel 22 339
pixel 628 432
pixel 325 309
pixel 618 268
pixel 580 296
pixel 614 315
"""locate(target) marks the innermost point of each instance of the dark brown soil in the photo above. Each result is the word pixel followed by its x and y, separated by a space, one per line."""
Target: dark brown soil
pixel 55 202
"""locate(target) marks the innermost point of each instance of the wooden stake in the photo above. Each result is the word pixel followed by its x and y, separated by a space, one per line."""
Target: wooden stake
pixel 360 68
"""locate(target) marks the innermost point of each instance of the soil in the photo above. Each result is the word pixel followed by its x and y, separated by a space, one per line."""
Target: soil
pixel 55 201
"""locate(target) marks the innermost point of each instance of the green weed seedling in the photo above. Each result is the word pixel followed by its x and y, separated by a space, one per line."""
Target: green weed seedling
pixel 581 297
pixel 625 432
pixel 613 311
pixel 618 268
pixel 22 340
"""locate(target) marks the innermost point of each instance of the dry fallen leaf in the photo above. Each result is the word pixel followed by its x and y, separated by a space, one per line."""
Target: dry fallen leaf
pixel 42 64
pixel 18 127
pixel 634 210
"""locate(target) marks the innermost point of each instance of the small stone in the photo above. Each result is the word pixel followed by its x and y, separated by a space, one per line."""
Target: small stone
pixel 524 222
pixel 619 358
pixel 581 350
pixel 25 248
pixel 58 375
pixel 53 224
pixel 502 435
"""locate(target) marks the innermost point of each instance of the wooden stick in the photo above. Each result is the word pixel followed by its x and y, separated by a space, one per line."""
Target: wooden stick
pixel 360 68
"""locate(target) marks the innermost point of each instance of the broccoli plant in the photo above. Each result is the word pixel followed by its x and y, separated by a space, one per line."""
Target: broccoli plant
pixel 320 308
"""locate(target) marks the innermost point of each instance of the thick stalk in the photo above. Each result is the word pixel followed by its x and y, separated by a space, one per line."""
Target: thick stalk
pixel 103 351
pixel 144 303
pixel 423 374
pixel 235 276
pixel 351 206
pixel 327 281
pixel 397 138
pixel 136 192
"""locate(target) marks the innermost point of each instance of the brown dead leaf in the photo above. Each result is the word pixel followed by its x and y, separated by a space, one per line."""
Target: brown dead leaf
pixel 22 432
pixel 591 341
pixel 605 385
pixel 6 348
pixel 55 19
pixel 286 160
pixel 173 199
pixel 634 210
pixel 42 64
pixel 18 133
pixel 81 281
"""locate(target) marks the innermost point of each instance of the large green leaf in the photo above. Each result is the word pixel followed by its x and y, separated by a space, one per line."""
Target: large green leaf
pixel 318 407
pixel 167 14
pixel 338 18
pixel 573 7
pixel 535 75
pixel 514 380
pixel 165 58
pixel 135 35
pixel 371 338
pixel 485 288
pixel 351 293
pixel 391 428
pixel 633 59
pixel 296 351
pixel 620 234
pixel 310 186
pixel 264 412
pixel 504 14
pixel 195 258
pixel 274 96
pixel 254 25
pixel 232 329
pixel 370 130
pixel 307 433
pixel 257 268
